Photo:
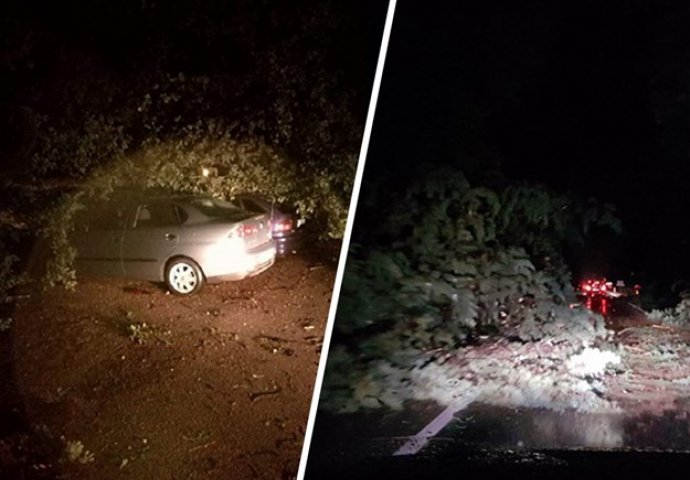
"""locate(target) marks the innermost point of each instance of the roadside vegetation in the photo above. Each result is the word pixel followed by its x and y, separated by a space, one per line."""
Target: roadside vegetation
pixel 217 98
pixel 678 316
pixel 275 121
pixel 463 292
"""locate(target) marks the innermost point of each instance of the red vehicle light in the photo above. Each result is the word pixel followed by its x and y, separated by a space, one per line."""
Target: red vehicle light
pixel 248 230
pixel 595 287
pixel 243 231
pixel 283 226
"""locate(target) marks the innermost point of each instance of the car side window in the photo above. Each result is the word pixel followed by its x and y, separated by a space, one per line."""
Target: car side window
pixel 154 215
pixel 102 217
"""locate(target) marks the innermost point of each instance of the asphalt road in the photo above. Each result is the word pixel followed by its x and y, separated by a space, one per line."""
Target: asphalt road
pixel 650 436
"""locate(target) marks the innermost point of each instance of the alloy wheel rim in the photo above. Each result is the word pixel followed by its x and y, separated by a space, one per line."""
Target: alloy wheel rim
pixel 182 277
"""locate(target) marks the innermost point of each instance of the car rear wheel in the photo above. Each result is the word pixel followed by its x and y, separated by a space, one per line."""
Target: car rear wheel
pixel 183 276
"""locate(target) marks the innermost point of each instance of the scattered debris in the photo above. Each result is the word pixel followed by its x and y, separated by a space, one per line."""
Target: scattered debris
pixel 91 347
pixel 139 332
pixel 293 439
pixel 307 323
pixel 199 447
pixel 275 344
pixel 137 290
pixel 16 298
pixel 223 337
pixel 76 452
pixel 257 395
pixel 591 361
pixel 5 324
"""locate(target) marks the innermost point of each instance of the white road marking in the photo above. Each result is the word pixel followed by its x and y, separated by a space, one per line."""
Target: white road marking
pixel 415 443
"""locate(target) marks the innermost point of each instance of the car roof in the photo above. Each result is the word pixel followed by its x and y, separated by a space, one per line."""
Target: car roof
pixel 137 195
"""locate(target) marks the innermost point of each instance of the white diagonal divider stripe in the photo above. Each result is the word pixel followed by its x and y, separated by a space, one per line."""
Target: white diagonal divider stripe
pixel 415 443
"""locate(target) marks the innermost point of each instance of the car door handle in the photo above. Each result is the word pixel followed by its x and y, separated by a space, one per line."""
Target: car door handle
pixel 170 236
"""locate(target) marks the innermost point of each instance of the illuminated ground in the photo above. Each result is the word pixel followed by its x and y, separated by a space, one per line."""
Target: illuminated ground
pixel 156 386
pixel 641 403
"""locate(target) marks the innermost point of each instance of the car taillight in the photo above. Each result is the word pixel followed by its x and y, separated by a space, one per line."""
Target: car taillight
pixel 243 231
pixel 283 225
pixel 248 230
pixel 602 287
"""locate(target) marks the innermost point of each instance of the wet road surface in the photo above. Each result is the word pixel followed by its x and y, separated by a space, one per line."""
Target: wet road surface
pixel 652 430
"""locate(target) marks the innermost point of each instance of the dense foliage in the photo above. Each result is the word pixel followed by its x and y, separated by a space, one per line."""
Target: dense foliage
pixel 678 315
pixel 177 166
pixel 459 247
pixel 467 261
pixel 260 94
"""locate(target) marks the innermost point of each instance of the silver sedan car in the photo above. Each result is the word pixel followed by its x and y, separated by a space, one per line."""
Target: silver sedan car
pixel 182 241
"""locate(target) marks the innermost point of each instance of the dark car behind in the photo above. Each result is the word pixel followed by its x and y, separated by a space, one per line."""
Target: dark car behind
pixel 285 220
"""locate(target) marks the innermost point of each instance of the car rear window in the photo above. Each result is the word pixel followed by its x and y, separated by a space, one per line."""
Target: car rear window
pixel 215 208
pixel 252 206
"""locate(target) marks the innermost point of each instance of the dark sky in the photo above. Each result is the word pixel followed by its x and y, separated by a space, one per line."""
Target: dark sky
pixel 583 96
pixel 48 47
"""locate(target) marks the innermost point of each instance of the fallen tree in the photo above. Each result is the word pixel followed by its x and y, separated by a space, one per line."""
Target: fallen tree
pixel 472 298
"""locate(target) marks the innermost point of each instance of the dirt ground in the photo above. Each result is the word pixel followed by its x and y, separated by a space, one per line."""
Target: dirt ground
pixel 120 380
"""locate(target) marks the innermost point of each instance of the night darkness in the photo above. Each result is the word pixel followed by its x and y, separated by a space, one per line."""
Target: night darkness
pixel 87 53
pixel 103 98
pixel 575 103
pixel 586 97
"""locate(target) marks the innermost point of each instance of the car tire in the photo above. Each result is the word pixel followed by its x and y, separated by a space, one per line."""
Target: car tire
pixel 183 276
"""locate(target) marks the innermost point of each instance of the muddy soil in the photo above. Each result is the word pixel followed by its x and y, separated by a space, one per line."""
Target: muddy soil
pixel 121 380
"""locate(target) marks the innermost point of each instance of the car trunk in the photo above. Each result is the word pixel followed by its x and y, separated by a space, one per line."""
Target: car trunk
pixel 257 230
